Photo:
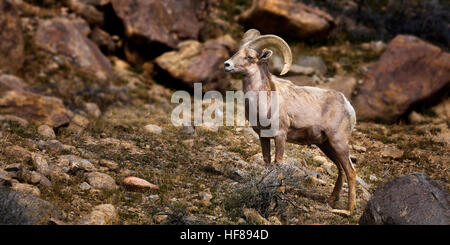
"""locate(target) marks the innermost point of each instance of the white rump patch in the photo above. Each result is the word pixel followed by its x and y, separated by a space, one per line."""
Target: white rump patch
pixel 351 111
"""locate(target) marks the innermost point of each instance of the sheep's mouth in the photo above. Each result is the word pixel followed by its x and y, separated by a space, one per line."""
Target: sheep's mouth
pixel 228 69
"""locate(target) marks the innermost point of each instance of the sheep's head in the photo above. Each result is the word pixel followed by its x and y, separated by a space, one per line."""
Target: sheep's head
pixel 256 49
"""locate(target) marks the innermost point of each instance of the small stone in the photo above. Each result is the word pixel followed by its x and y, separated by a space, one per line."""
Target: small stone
pixel 160 218
pixel 40 164
pixel 138 182
pixel 187 130
pixel 26 188
pixel 154 129
pixel 153 197
pixel 85 186
pixel 205 195
pixel 46 132
pixel 75 163
pixel 416 118
pixel 391 152
pixel 93 110
pixel 372 177
pixel 101 181
pixel 359 148
pixel 274 220
pixel 105 214
pixel 109 164
pixel 78 124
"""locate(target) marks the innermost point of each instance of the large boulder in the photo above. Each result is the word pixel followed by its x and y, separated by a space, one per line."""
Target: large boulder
pixel 16 100
pixel 11 38
pixel 18 208
pixel 165 22
pixel 195 62
pixel 409 71
pixel 287 18
pixel 415 199
pixel 62 36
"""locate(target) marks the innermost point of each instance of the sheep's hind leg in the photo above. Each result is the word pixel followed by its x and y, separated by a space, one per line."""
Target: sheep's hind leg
pixel 331 154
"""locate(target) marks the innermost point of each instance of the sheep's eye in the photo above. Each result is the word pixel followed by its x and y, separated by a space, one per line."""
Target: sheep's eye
pixel 248 57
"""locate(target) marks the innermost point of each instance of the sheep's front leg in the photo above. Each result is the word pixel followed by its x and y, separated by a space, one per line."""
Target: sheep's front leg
pixel 280 141
pixel 265 146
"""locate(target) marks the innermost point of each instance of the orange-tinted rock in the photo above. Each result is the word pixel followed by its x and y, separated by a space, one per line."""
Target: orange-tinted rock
pixel 286 18
pixel 61 35
pixel 195 62
pixel 34 107
pixel 167 22
pixel 138 182
pixel 409 71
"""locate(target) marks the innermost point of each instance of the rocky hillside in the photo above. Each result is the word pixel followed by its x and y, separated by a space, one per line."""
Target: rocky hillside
pixel 85 105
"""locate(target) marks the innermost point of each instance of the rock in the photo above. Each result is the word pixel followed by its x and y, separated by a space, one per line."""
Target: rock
pixel 19 208
pixel 12 53
pixel 166 22
pixel 373 178
pixel 205 195
pixel 343 84
pixel 14 167
pixel 391 152
pixel 109 164
pixel 274 220
pixel 92 110
pixel 314 62
pixel 85 186
pixel 105 214
pixel 416 118
pixel 101 181
pixel 31 189
pixel 154 129
pixel 33 107
pixel 17 120
pixel 88 12
pixel 40 164
pixel 103 40
pixel 56 147
pixel 409 71
pixel 359 148
pixel 60 35
pixel 160 218
pixel 138 182
pixel 442 109
pixel 253 217
pixel 276 64
pixel 78 124
pixel 10 82
pixel 414 199
pixel 46 132
pixel 74 163
pixel 195 62
pixel 17 153
pixel 287 18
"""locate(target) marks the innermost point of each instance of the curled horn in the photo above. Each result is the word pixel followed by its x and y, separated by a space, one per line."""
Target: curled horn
pixel 250 35
pixel 272 41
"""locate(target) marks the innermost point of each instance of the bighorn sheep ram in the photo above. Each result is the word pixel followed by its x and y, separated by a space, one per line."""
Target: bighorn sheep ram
pixel 307 115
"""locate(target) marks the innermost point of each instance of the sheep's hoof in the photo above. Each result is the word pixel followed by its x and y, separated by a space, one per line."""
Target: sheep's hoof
pixel 341 212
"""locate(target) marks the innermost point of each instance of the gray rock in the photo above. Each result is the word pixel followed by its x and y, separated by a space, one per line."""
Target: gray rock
pixel 414 199
pixel 75 163
pixel 85 186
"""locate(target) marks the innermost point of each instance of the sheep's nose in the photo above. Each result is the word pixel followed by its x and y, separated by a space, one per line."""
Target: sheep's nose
pixel 228 65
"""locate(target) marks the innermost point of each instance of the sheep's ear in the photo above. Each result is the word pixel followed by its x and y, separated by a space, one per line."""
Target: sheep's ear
pixel 265 54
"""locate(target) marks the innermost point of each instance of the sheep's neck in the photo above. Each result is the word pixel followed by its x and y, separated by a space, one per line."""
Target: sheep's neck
pixel 258 79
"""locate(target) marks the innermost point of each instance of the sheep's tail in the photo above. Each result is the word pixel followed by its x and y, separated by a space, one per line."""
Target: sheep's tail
pixel 351 112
